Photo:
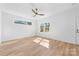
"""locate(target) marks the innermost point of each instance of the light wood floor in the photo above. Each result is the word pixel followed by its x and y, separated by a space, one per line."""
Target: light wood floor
pixel 26 47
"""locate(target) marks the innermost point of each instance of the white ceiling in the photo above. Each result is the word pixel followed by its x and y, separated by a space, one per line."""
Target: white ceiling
pixel 46 8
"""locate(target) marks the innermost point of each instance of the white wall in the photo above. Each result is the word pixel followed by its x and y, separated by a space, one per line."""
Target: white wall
pixel 0 26
pixel 10 30
pixel 62 26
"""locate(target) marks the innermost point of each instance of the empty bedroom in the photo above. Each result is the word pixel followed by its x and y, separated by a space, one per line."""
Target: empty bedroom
pixel 39 29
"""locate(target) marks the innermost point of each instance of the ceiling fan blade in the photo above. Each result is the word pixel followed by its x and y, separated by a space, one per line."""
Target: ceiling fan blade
pixel 41 14
pixel 33 11
pixel 34 15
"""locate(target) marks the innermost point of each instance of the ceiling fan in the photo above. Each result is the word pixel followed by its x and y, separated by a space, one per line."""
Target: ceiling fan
pixel 35 11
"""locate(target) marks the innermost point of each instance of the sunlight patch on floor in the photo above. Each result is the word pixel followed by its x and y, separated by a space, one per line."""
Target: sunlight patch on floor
pixel 42 42
pixel 37 40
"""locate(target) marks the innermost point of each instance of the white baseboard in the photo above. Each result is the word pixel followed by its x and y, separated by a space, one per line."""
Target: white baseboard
pixel 17 38
pixel 58 40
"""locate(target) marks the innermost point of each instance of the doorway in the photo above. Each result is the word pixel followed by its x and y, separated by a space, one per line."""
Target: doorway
pixel 77 30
